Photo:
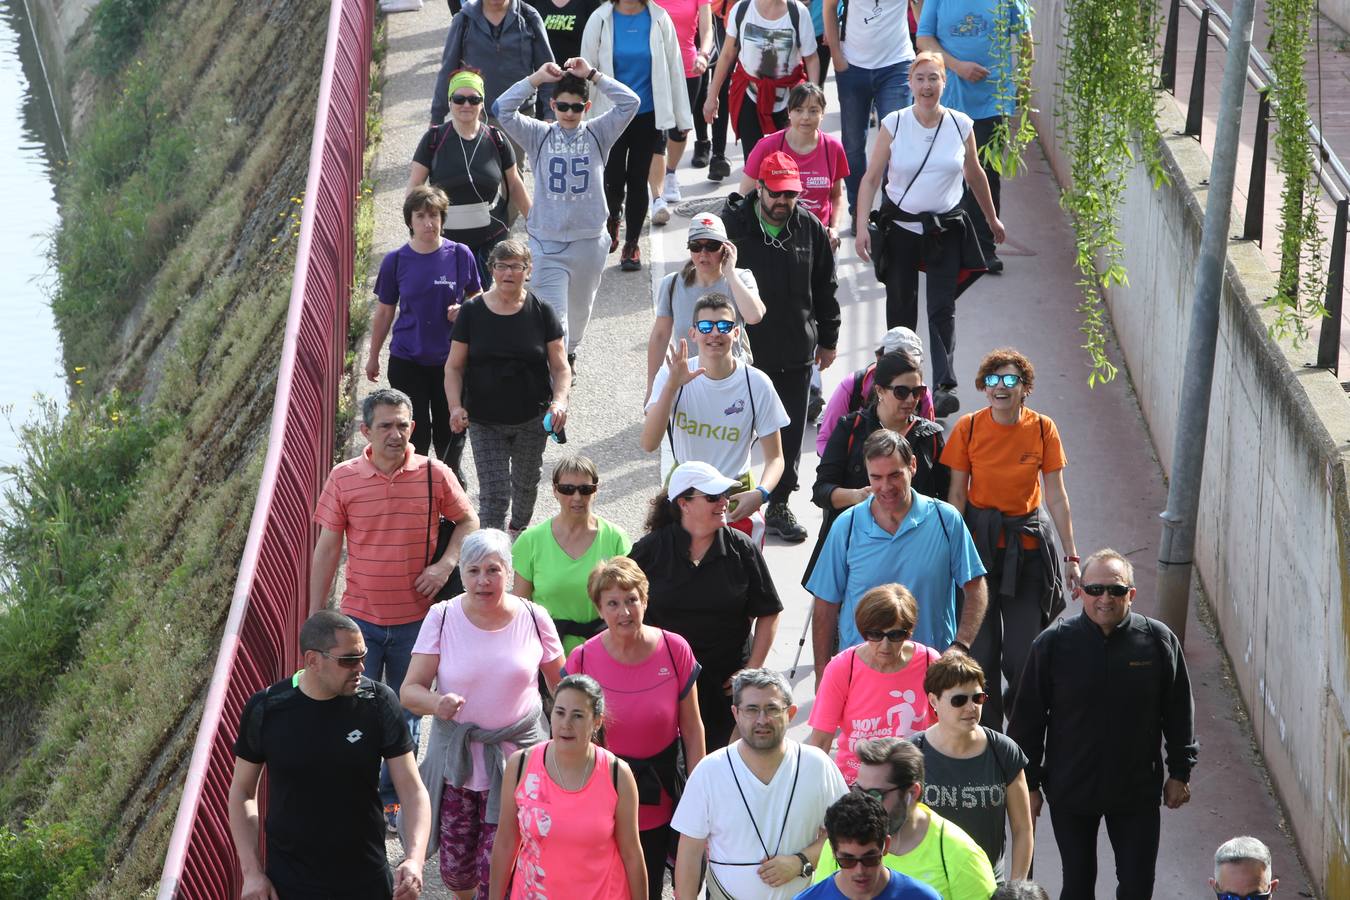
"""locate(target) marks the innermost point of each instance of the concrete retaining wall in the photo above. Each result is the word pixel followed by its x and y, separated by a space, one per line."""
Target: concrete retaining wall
pixel 56 23
pixel 1274 516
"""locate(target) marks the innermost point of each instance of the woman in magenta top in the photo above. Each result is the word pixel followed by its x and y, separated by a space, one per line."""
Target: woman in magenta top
pixel 818 154
pixel 875 689
pixel 649 677
pixel 569 812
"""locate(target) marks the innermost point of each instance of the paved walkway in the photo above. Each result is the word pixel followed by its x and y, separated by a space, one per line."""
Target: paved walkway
pixel 1114 481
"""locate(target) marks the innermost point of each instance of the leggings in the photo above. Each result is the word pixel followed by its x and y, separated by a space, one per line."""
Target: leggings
pixel 1003 643
pixel 508 459
pixel 425 385
pixel 656 845
pixel 719 125
pixel 694 87
pixel 626 172
pixel 748 130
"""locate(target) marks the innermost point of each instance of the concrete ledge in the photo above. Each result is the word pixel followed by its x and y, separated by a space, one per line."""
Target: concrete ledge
pixel 1274 514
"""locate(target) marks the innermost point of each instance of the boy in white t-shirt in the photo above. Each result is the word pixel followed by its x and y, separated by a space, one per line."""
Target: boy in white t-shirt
pixel 711 408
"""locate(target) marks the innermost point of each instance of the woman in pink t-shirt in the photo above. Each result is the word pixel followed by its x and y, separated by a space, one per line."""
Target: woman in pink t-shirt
pixel 569 812
pixel 649 677
pixel 818 154
pixel 875 689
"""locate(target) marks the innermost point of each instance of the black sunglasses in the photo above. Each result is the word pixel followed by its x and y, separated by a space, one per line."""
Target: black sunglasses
pixel 878 794
pixel 714 498
pixel 1254 895
pixel 584 490
pixel 1009 381
pixel 959 700
pixel 704 246
pixel 461 99
pixel 1115 590
pixel 706 326
pixel 904 392
pixel 779 195
pixel 867 860
pixel 563 106
pixel 895 635
pixel 347 662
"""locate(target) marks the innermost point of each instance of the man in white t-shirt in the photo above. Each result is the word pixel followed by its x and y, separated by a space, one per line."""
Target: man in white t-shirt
pixel 712 408
pixel 755 808
pixel 871 51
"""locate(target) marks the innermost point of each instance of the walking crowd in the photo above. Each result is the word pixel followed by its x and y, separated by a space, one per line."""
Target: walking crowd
pixel 600 714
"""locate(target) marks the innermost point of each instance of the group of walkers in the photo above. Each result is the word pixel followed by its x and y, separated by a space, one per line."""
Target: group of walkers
pixel 600 712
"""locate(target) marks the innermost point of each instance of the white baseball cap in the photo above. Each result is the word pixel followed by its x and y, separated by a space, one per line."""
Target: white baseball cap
pixel 701 477
pixel 902 338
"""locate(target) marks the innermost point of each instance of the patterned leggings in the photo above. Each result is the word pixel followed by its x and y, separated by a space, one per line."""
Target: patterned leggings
pixel 508 459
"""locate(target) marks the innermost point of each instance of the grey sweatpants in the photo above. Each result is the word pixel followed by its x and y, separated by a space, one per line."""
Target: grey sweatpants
pixel 508 459
pixel 566 277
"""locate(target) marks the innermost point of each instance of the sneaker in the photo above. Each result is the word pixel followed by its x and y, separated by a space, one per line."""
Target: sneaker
pixel 631 259
pixel 945 402
pixel 391 817
pixel 612 226
pixel 779 520
pixel 702 153
pixel 660 211
pixel 994 264
pixel 670 190
pixel 719 167
pixel 815 406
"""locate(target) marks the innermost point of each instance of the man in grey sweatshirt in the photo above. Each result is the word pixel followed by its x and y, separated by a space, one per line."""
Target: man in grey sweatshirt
pixel 566 223
pixel 503 39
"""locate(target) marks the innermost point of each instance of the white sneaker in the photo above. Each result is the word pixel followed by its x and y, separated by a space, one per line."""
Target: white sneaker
pixel 670 191
pixel 660 211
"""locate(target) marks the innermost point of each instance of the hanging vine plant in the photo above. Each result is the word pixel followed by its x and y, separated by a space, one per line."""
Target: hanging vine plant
pixel 1300 294
pixel 1108 108
pixel 1005 150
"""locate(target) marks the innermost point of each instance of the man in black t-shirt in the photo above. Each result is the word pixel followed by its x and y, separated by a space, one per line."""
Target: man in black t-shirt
pixel 322 734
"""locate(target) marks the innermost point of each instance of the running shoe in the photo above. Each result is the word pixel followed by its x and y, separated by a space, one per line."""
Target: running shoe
pixel 631 260
pixel 945 402
pixel 660 211
pixel 670 190
pixel 779 520
pixel 702 153
pixel 719 167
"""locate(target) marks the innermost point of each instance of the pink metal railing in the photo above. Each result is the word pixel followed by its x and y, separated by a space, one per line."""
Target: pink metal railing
pixel 271 597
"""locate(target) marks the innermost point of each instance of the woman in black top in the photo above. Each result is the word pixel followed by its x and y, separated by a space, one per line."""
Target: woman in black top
pixel 841 474
pixel 474 164
pixel 507 368
pixel 709 584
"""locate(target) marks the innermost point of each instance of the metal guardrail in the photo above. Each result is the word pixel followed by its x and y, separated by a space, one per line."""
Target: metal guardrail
pixel 1331 174
pixel 271 593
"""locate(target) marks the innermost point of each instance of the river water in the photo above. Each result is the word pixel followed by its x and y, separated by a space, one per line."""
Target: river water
pixel 30 145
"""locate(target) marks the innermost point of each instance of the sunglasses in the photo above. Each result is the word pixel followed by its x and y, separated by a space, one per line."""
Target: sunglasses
pixel 1009 381
pixel 706 326
pixel 584 490
pixel 347 662
pixel 1229 895
pixel 895 635
pixel 1115 590
pixel 714 498
pixel 959 700
pixel 782 195
pixel 704 246
pixel 867 860
pixel 562 106
pixel 471 99
pixel 903 392
pixel 878 794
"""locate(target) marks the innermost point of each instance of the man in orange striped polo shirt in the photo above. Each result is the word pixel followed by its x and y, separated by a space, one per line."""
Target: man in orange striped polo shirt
pixel 387 503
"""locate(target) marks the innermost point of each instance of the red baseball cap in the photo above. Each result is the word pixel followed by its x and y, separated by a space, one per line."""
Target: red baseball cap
pixel 779 172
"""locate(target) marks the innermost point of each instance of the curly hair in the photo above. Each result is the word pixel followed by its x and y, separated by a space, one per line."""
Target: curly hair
pixel 620 572
pixel 1006 356
pixel 856 817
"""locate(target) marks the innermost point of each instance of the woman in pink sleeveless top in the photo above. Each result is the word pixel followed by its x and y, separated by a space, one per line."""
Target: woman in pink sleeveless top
pixel 568 824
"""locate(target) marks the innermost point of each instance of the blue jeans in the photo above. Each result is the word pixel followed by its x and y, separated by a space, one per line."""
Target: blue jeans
pixel 859 90
pixel 388 652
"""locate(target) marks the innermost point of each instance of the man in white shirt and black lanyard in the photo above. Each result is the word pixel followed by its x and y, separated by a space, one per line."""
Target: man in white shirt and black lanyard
pixel 756 807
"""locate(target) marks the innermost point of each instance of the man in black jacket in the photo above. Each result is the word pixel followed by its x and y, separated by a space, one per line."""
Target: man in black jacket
pixel 1100 694
pixel 788 250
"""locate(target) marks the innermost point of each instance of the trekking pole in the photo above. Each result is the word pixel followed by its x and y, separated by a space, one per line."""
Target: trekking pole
pixel 800 645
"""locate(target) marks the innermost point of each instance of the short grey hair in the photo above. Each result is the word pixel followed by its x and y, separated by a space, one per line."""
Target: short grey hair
pixel 487 542
pixel 1242 849
pixel 383 397
pixel 759 678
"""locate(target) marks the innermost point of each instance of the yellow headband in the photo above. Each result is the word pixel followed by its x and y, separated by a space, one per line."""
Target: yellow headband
pixel 466 79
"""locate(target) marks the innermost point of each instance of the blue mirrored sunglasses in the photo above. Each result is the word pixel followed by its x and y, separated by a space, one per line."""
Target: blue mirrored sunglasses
pixel 706 326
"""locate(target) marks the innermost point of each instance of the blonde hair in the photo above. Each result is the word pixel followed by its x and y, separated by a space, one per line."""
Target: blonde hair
pixel 931 56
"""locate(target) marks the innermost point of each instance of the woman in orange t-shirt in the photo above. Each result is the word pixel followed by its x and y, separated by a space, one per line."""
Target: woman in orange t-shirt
pixel 998 458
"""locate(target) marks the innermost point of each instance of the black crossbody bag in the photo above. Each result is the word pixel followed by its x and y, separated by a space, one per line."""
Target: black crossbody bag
pixel 445 530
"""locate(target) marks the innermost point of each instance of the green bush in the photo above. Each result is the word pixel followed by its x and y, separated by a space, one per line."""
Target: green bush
pixel 118 26
pixel 47 862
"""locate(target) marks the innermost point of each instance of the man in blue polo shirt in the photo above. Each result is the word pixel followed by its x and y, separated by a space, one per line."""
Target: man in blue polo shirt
pixel 896 535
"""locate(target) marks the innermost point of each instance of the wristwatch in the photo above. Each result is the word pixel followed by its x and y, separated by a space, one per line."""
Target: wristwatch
pixel 807 869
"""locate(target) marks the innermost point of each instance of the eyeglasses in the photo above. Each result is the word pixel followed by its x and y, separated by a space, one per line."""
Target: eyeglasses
pixel 704 246
pixel 867 860
pixel 347 662
pixel 903 392
pixel 878 794
pixel 782 195
pixel 1229 895
pixel 895 635
pixel 770 711
pixel 509 267
pixel 959 700
pixel 471 99
pixel 562 106
pixel 584 490
pixel 1115 590
pixel 1009 381
pixel 706 326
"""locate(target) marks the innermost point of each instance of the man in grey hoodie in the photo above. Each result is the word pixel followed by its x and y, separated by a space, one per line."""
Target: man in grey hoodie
pixel 504 39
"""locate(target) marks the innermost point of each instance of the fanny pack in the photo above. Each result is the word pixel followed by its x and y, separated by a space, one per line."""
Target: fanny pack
pixel 463 216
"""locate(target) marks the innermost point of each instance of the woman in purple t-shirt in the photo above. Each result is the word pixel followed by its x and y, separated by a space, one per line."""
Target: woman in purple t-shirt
pixel 649 677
